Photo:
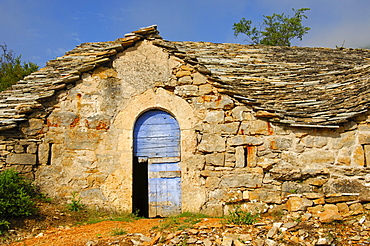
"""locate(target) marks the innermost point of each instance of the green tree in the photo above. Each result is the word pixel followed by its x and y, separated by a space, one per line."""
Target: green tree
pixel 277 29
pixel 12 69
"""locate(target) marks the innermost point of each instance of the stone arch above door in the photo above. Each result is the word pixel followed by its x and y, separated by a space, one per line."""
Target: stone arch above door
pixel 124 125
pixel 152 99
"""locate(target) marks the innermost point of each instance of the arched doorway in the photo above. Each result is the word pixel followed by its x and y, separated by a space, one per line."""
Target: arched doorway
pixel 156 165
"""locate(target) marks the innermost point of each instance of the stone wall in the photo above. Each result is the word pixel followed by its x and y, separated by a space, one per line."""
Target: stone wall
pixel 247 160
pixel 230 154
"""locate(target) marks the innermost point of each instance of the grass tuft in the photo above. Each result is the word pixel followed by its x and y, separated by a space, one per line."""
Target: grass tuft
pixel 240 217
pixel 180 222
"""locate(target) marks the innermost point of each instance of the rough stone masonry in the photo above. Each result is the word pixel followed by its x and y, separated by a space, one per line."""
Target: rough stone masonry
pixel 262 127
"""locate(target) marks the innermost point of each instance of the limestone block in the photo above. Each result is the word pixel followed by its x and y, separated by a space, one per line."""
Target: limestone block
pixel 212 143
pixel 289 157
pixel 215 116
pixel 217 195
pixel 248 180
pixel 239 112
pixel 251 156
pixel 98 122
pixel 215 210
pixel 92 196
pixel 63 119
pixel 266 165
pixel 215 159
pixel 358 157
pixel 286 173
pixel 342 185
pixel 224 103
pixel 205 89
pixel 32 126
pixel 239 156
pixel 265 196
pixel 212 182
pixel 259 127
pixel 338 199
pixel 32 148
pixel 185 80
pixel 183 73
pixel 316 209
pixel 218 102
pixel 77 138
pixel 194 162
pixel 25 159
pixel 356 208
pixel 199 79
pixel 316 157
pixel 244 128
pixel 43 153
pixel 186 90
pixel 314 141
pixel 233 196
pixel 329 214
pixel 229 119
pixel 343 159
pixel 104 73
pixel 210 173
pixel 343 208
pixel 230 157
pixel 295 187
pixel 364 127
pixel 296 203
pixel 55 135
pixel 315 171
pixel 193 198
pixel 319 181
pixel 364 138
pixel 318 201
pixel 199 102
pixel 228 128
pixel 281 143
pixel 346 140
pixel 18 148
pixel 367 155
pixel 244 140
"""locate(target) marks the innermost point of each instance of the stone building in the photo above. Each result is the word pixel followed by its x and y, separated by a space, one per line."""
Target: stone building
pixel 164 127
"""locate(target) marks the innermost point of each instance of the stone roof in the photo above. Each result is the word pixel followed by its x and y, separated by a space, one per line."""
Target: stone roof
pixel 310 87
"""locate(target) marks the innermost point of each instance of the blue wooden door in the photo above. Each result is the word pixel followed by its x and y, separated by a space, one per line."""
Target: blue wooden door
pixel 157 145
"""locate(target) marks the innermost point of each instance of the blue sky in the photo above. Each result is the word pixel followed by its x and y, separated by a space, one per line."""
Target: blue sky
pixel 41 30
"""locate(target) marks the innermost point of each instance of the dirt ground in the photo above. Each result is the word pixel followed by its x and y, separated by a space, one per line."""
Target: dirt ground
pixel 55 225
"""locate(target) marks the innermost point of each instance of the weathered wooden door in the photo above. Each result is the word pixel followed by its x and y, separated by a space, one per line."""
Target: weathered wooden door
pixel 157 146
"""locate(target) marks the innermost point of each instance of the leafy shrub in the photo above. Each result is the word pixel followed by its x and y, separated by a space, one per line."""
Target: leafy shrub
pixel 240 217
pixel 4 226
pixel 16 197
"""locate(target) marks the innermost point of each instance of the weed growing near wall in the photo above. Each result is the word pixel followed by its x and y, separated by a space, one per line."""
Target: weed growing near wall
pixel 240 217
pixel 75 204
